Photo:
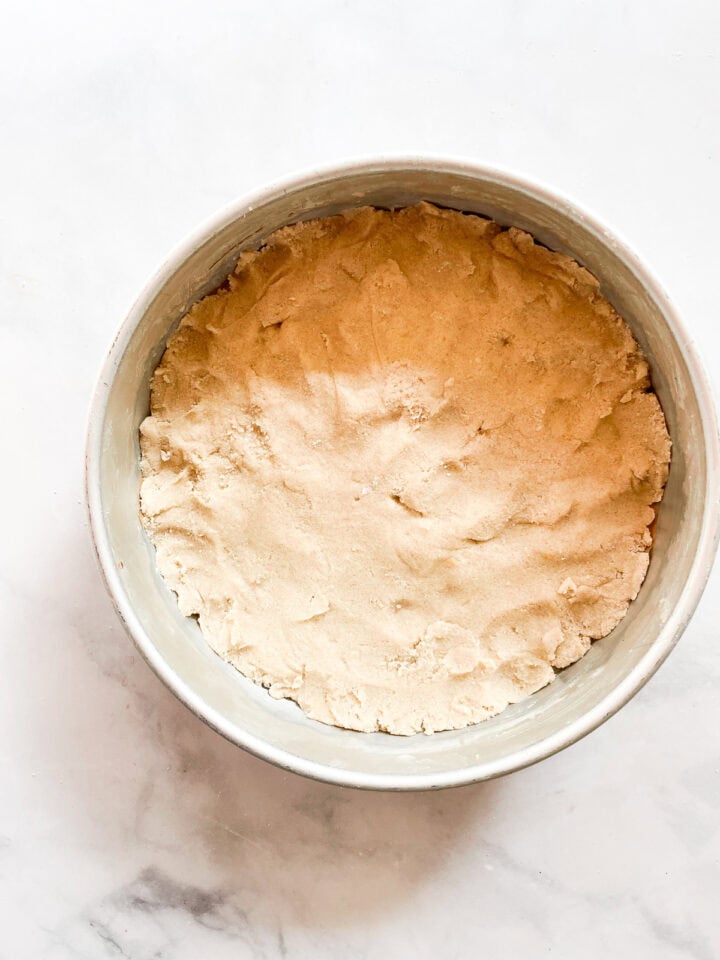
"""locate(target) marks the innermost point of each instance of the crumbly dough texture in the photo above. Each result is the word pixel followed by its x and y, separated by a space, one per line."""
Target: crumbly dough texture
pixel 402 467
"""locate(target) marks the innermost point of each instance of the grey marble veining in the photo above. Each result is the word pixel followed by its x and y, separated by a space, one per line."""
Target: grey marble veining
pixel 127 828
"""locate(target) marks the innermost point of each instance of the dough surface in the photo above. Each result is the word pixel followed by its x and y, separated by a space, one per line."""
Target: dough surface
pixel 402 466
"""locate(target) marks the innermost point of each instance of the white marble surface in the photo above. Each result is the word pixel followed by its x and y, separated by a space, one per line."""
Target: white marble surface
pixel 127 828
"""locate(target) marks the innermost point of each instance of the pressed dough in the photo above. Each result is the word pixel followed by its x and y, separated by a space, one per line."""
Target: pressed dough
pixel 401 467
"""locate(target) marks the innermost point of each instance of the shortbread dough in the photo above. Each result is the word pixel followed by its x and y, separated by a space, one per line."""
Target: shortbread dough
pixel 401 467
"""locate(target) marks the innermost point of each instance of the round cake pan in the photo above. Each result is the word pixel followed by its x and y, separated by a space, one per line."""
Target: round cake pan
pixel 582 696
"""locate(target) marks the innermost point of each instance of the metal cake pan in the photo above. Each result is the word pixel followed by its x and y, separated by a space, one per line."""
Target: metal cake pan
pixel 583 695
